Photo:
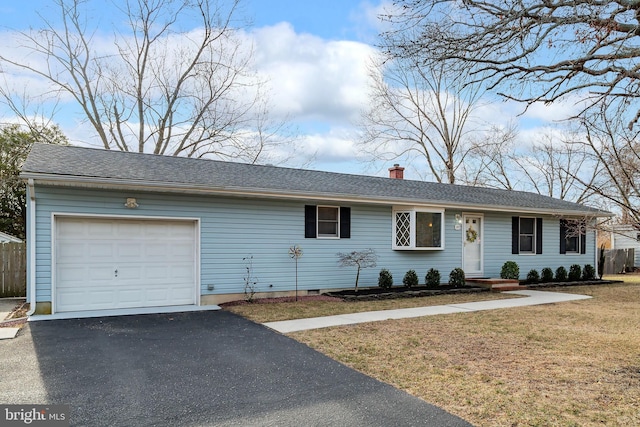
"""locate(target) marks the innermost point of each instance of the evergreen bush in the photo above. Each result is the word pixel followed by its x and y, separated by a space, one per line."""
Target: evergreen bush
pixel 432 278
pixel 561 274
pixel 410 279
pixel 385 279
pixel 533 276
pixel 575 273
pixel 588 273
pixel 510 270
pixel 456 277
pixel 546 275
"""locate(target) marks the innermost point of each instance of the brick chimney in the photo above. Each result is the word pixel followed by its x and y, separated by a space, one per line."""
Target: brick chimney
pixel 396 172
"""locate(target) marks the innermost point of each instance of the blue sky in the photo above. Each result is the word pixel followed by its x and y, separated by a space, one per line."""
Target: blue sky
pixel 329 19
pixel 314 54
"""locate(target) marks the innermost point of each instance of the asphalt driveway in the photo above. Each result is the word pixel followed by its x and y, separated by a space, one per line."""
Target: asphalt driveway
pixel 188 369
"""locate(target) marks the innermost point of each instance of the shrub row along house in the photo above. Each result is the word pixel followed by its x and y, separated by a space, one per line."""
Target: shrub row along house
pixel 130 233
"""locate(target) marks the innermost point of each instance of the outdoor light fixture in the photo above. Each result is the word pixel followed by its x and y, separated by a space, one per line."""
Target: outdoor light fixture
pixel 131 203
pixel 458 224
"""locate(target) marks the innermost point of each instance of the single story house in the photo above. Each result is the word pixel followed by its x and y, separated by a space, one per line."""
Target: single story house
pixel 8 238
pixel 129 232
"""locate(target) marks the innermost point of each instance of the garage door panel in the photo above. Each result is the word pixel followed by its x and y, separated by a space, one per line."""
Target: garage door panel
pixel 152 270
pixel 100 229
pixel 184 250
pixel 181 294
pixel 183 273
pixel 99 250
pixel 130 273
pixel 71 252
pixel 131 250
pixel 157 294
pixel 129 296
pixel 131 229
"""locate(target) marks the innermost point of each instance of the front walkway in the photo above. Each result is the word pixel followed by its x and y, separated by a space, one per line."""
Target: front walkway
pixel 533 298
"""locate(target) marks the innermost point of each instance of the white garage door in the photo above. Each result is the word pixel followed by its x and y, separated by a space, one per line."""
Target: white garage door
pixel 114 263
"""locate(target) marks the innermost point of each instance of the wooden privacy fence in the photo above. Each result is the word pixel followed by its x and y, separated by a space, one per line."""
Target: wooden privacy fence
pixel 618 260
pixel 13 270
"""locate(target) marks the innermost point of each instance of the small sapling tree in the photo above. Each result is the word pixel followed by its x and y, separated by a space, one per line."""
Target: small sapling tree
pixel 361 259
pixel 250 281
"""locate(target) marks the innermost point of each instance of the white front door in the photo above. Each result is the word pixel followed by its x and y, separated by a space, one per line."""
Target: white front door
pixel 103 263
pixel 472 245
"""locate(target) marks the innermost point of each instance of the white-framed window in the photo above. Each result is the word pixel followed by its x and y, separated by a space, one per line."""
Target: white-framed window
pixel 418 229
pixel 527 235
pixel 328 223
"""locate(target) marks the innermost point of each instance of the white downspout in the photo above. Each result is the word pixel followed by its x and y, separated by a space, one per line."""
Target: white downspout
pixel 31 244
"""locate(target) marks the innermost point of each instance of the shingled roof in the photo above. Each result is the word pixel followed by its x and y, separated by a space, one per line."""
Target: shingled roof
pixel 88 166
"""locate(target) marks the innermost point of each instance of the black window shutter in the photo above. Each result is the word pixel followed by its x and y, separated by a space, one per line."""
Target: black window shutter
pixel 310 221
pixel 563 236
pixel 345 223
pixel 515 235
pixel 538 235
pixel 583 242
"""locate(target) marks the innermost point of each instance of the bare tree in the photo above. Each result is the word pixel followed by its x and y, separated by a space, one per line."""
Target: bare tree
pixel 616 149
pixel 419 111
pixel 361 259
pixel 489 163
pixel 555 165
pixel 174 79
pixel 538 50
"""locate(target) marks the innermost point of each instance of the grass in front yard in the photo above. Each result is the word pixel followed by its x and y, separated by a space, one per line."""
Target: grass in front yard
pixel 304 309
pixel 567 364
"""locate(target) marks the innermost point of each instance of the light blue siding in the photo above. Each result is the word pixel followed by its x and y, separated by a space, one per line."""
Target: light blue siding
pixel 236 228
pixel 498 229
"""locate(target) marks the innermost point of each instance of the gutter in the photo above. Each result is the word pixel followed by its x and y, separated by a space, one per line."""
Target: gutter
pixel 31 244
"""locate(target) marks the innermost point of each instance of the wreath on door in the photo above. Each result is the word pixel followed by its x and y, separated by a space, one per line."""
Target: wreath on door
pixel 472 235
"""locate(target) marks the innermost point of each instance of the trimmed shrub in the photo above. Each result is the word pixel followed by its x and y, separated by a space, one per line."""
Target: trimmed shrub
pixel 432 278
pixel 546 275
pixel 456 277
pixel 533 276
pixel 588 273
pixel 410 279
pixel 575 273
pixel 561 274
pixel 510 270
pixel 385 279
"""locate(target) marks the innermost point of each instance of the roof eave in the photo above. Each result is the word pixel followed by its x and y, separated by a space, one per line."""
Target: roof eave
pixel 122 184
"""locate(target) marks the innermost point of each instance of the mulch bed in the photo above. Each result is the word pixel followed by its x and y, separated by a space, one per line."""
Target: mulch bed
pixel 281 299
pixel 373 294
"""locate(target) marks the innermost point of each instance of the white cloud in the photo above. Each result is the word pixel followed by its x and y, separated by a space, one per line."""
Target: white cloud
pixel 312 78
